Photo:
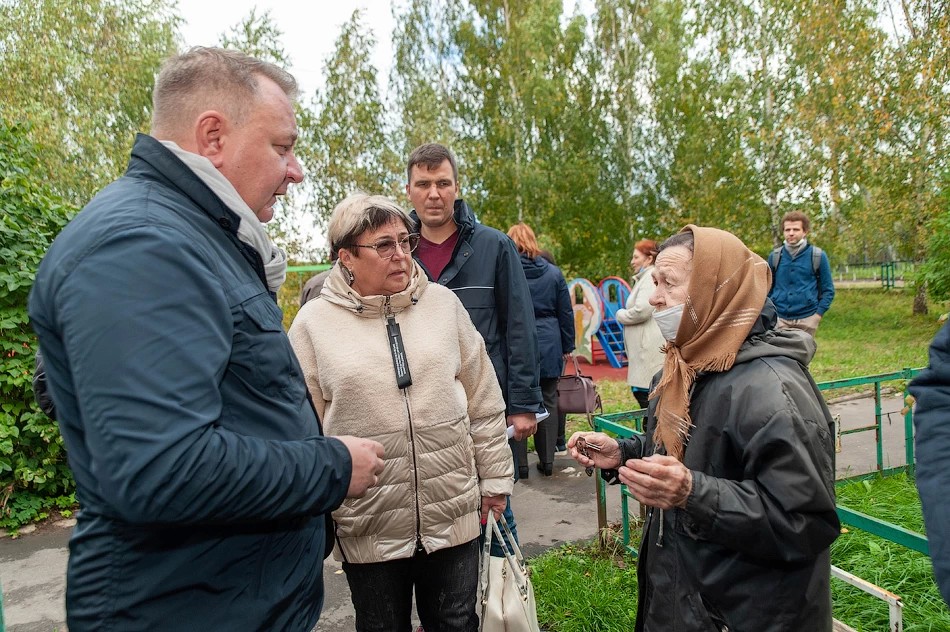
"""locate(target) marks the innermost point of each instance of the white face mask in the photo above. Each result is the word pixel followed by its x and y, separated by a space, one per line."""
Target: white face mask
pixel 669 321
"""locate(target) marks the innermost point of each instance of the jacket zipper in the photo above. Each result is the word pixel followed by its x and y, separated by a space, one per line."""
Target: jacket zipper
pixel 415 475
pixel 387 312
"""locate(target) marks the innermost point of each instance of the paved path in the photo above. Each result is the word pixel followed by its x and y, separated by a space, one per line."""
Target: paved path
pixel 550 511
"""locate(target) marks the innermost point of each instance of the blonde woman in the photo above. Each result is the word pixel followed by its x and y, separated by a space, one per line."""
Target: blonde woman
pixel 390 356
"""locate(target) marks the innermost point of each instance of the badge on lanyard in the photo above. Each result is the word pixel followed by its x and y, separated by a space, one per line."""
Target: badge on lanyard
pixel 400 363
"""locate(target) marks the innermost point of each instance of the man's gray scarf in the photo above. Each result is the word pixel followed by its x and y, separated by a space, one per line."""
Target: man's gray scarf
pixel 797 248
pixel 250 229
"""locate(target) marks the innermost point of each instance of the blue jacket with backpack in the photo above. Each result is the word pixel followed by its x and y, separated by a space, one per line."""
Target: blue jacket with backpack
pixel 801 285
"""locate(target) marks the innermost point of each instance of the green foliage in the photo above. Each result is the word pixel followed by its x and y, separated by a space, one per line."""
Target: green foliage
pixel 533 147
pixel 935 272
pixel 344 136
pixel 257 36
pixel 869 331
pixel 81 72
pixel 32 458
pixel 582 588
pixel 423 71
pixel 888 565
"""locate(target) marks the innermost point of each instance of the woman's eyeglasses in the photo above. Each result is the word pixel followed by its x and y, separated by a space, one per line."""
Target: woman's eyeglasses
pixel 386 248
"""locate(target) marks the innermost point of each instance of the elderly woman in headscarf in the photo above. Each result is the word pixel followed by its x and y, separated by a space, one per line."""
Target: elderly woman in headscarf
pixel 737 462
pixel 389 356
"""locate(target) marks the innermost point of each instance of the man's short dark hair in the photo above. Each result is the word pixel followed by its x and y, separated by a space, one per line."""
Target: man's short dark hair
pixel 796 216
pixel 431 155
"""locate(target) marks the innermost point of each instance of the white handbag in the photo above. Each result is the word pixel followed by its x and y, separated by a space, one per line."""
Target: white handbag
pixel 507 594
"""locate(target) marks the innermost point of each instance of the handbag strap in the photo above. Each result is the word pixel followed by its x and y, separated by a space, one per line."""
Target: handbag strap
pixel 511 540
pixel 577 368
pixel 515 560
pixel 483 563
pixel 513 556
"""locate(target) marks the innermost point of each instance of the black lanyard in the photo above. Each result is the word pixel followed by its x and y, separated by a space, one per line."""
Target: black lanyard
pixel 400 363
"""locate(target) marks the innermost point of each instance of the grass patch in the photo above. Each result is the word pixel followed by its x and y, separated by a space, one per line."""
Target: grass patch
pixel 870 331
pixel 888 565
pixel 581 587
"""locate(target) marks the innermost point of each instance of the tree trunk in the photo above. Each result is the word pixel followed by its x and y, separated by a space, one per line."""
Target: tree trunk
pixel 920 299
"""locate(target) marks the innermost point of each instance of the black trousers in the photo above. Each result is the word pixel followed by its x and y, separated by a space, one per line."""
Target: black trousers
pixel 548 430
pixel 445 583
pixel 546 436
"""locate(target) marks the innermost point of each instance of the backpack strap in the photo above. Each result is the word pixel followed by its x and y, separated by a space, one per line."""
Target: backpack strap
pixel 816 253
pixel 774 257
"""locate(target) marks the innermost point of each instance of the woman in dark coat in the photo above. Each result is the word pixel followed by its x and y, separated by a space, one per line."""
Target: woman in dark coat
pixel 554 316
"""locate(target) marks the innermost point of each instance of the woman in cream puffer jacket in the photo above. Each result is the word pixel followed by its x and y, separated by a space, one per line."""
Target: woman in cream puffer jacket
pixel 447 461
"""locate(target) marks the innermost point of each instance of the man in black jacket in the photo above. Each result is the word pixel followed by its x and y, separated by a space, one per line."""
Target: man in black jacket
pixel 483 268
pixel 737 463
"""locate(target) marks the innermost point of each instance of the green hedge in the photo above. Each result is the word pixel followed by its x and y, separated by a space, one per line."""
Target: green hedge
pixel 33 472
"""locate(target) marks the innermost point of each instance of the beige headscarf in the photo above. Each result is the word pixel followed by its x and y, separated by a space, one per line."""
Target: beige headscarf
pixel 726 293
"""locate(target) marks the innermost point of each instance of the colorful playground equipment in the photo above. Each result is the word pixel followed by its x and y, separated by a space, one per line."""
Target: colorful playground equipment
pixel 595 314
pixel 588 316
pixel 614 292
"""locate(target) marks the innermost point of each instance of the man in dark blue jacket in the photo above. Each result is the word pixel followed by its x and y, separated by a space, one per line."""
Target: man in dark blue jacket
pixel 480 264
pixel 932 438
pixel 201 472
pixel 802 286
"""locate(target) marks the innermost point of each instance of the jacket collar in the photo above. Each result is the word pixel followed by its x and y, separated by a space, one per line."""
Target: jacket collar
pixel 461 213
pixel 161 160
pixel 464 218
pixel 766 341
pixel 153 160
pixel 337 291
pixel 533 267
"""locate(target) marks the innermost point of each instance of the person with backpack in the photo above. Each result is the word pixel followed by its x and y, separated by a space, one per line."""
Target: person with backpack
pixel 802 287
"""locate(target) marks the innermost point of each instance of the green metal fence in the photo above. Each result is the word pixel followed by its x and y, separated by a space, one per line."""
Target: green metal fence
pixel 317 267
pixel 888 275
pixel 877 426
pixel 627 424
pixel 896 271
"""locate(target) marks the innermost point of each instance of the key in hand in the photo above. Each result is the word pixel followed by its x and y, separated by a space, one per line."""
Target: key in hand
pixel 585 448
